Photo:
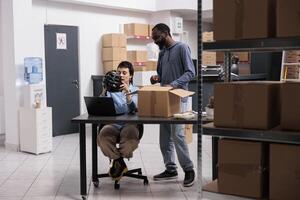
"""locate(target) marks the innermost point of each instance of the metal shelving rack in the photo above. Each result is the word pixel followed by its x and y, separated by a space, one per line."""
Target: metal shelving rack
pixel 263 45
pixel 253 45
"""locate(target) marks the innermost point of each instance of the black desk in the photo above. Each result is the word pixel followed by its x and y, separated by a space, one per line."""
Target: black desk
pixel 84 119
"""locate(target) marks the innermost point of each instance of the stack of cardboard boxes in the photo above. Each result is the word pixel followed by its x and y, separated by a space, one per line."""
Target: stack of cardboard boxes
pixel 258 105
pixel 143 67
pixel 113 50
pixel 243 19
pixel 216 58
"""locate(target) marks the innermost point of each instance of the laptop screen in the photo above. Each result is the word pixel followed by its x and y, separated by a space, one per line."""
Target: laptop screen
pixel 100 106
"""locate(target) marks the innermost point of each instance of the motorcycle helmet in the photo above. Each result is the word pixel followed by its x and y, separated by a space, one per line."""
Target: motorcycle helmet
pixel 112 81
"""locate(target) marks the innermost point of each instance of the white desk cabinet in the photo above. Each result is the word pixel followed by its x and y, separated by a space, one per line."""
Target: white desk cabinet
pixel 36 130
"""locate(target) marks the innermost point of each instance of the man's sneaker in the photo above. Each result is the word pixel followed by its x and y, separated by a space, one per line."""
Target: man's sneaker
pixel 166 175
pixel 118 169
pixel 189 178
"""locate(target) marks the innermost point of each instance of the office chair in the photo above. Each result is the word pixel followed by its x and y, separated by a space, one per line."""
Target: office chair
pixel 129 173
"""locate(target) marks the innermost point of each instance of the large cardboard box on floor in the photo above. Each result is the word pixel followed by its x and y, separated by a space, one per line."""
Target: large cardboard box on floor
pixel 114 40
pixel 290 105
pixel 243 19
pixel 137 56
pixel 284 172
pixel 135 29
pixel 253 105
pixel 241 168
pixel 156 101
pixel 114 53
pixel 288 20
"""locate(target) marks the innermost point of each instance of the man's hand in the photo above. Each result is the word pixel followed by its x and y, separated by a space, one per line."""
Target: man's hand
pixel 154 79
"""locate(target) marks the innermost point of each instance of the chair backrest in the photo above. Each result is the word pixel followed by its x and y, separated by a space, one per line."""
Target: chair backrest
pixel 141 130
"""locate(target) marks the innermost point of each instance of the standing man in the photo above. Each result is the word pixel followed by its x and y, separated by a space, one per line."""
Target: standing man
pixel 175 68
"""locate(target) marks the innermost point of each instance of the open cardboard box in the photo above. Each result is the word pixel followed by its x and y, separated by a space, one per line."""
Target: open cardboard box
pixel 157 101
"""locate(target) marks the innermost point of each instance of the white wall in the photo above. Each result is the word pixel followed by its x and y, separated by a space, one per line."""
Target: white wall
pixel 92 23
pixel 1 81
pixel 133 5
pixel 176 4
pixel 191 28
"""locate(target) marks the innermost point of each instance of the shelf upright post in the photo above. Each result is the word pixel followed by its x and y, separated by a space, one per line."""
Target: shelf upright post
pixel 227 66
pixel 199 84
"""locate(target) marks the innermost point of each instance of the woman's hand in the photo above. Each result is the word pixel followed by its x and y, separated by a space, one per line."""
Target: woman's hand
pixel 125 87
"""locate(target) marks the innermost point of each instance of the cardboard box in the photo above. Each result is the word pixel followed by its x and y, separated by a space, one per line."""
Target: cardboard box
pixel 156 101
pixel 290 106
pixel 142 78
pixel 151 65
pixel 244 69
pixel 284 172
pixel 243 57
pixel 209 58
pixel 208 36
pixel 114 53
pixel 288 20
pixel 110 65
pixel 150 27
pixel 243 19
pixel 135 29
pixel 137 56
pixel 114 40
pixel 188 133
pixel 241 168
pixel 253 105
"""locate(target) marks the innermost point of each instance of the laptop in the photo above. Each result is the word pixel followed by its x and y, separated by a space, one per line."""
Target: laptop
pixel 100 106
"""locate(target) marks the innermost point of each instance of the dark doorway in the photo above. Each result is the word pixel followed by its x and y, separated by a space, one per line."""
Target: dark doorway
pixel 62 76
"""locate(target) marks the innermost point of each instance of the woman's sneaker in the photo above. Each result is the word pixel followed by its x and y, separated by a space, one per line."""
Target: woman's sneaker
pixel 166 175
pixel 189 178
pixel 118 169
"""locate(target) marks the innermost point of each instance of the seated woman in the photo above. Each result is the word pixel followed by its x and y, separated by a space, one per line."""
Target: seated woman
pixel 127 135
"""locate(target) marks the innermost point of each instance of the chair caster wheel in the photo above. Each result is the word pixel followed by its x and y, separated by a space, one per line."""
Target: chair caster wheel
pixel 146 182
pixel 96 183
pixel 117 186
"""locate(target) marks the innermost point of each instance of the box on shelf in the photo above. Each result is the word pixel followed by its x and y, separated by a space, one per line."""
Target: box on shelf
pixel 159 101
pixel 110 65
pixel 292 56
pixel 142 78
pixel 291 71
pixel 243 56
pixel 114 40
pixel 114 53
pixel 137 56
pixel 243 19
pixel 151 65
pixel 34 95
pixel 288 20
pixel 209 58
pixel 35 130
pixel 150 27
pixel 244 69
pixel 208 36
pixel 134 29
pixel 290 105
pixel 284 172
pixel 253 105
pixel 140 68
pixel 241 168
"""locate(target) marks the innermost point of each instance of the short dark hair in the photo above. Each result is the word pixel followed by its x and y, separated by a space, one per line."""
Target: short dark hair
pixel 128 65
pixel 162 28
